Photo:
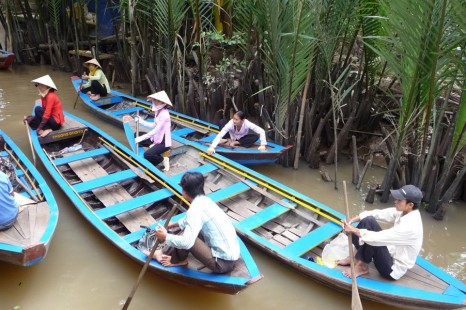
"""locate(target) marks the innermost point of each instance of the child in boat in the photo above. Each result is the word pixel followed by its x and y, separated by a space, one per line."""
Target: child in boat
pixel 236 131
pixel 97 85
pixel 393 250
pixel 159 138
pixel 208 233
pixel 8 206
pixel 49 116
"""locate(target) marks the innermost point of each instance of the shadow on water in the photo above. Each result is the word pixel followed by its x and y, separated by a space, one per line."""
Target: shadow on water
pixel 84 271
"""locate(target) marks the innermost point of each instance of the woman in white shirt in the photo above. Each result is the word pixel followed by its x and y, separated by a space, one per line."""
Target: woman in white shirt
pixel 236 131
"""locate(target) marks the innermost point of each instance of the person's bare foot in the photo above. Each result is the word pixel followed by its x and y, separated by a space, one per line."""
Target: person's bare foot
pixel 165 260
pixel 344 261
pixel 360 268
pixel 94 97
pixel 45 132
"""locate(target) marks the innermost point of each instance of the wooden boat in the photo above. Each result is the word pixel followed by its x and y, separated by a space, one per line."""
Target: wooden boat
pixel 6 59
pixel 120 199
pixel 27 242
pixel 113 107
pixel 295 229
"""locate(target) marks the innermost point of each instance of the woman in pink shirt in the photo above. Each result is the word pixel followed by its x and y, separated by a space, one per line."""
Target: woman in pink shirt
pixel 236 131
pixel 159 138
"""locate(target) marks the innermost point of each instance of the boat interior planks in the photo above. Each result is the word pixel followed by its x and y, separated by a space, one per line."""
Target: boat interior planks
pixel 123 198
pixel 27 241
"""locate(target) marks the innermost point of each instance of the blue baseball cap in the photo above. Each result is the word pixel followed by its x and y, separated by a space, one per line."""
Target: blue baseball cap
pixel 408 192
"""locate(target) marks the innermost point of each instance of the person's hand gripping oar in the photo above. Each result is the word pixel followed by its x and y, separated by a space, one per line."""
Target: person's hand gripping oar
pixel 355 299
pixel 149 258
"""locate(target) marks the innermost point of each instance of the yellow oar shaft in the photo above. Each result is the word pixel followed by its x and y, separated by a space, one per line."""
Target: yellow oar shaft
pixel 18 163
pixel 148 172
pixel 275 189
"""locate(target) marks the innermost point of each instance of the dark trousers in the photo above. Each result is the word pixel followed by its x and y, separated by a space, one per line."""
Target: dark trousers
pixel 246 141
pixel 35 121
pixel 368 253
pixel 203 253
pixel 96 88
pixel 155 153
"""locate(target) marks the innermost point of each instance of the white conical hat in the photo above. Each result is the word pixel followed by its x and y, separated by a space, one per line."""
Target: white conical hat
pixel 161 96
pixel 45 80
pixel 94 62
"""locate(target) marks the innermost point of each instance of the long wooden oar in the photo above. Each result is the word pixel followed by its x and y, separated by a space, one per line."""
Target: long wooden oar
pixel 30 143
pixel 149 258
pixel 355 299
pixel 79 90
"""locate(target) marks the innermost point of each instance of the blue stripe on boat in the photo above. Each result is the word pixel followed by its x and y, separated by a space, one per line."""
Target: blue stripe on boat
pixel 312 239
pixel 208 138
pixel 19 173
pixel 229 191
pixel 79 156
pixel 183 131
pixel 104 181
pixel 132 204
pixel 127 111
pixel 204 169
pixel 109 99
pixel 262 217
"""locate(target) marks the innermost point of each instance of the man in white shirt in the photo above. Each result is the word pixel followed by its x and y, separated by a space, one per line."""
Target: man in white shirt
pixel 393 250
pixel 208 233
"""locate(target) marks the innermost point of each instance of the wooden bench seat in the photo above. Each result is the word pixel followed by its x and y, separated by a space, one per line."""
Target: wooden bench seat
pixel 70 129
pixel 313 239
pixel 134 203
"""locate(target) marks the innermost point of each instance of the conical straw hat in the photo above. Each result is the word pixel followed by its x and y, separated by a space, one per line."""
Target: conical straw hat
pixel 94 62
pixel 45 80
pixel 161 96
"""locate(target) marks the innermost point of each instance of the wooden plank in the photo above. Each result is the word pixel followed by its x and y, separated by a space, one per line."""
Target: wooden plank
pixel 80 155
pixel 282 239
pixel 263 232
pixel 89 169
pixel 104 180
pixel 235 216
pixel 246 204
pixel 278 229
pixel 245 213
pixel 134 203
pixel 42 221
pixel 288 234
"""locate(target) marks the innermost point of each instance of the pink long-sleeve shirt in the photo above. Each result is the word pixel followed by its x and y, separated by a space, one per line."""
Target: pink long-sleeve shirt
pixel 160 128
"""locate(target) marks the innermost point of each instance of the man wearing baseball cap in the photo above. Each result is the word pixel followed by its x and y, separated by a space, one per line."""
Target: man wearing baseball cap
pixel 393 250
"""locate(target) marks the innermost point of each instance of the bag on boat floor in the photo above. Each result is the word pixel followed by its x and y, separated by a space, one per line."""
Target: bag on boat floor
pixel 337 249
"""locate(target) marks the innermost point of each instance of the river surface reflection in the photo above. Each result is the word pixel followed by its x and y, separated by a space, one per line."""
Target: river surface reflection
pixel 84 271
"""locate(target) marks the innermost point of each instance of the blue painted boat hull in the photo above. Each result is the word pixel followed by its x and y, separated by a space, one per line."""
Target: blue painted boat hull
pixel 28 250
pixel 117 201
pixel 113 107
pixel 294 229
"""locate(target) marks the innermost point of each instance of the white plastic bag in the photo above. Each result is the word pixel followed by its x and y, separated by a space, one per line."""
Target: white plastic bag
pixel 337 249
